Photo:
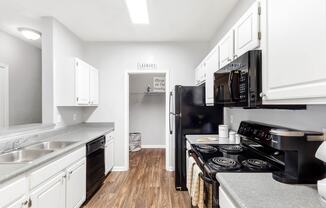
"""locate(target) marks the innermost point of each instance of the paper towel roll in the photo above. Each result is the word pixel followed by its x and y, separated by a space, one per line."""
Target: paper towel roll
pixel 321 152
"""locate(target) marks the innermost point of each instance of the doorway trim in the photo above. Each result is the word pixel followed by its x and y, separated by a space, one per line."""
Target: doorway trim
pixel 5 69
pixel 167 111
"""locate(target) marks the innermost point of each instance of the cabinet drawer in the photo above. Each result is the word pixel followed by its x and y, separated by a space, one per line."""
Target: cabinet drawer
pixel 47 171
pixel 13 191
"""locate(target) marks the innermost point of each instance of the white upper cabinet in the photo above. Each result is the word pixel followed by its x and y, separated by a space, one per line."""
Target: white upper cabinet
pixel 78 85
pixel 293 45
pixel 226 49
pixel 247 31
pixel 200 73
pixel 82 82
pixel 94 86
pixel 212 65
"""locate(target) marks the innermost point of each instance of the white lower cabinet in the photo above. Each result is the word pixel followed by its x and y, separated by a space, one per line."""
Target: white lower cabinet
pixel 51 194
pixel 224 200
pixel 76 185
pixel 59 184
pixel 20 203
pixel 14 193
pixel 109 152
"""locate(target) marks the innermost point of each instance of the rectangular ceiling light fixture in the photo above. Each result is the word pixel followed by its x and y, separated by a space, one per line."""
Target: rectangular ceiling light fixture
pixel 138 11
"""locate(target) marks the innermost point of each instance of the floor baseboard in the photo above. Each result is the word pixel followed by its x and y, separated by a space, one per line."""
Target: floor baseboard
pixel 119 168
pixel 153 146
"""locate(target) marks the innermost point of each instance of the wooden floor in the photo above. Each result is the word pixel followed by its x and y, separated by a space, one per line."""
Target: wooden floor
pixel 146 184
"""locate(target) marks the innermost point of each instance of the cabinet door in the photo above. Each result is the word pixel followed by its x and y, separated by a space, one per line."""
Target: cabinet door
pixel 212 67
pixel 94 86
pixel 82 82
pixel 20 203
pixel 12 194
pixel 294 52
pixel 76 185
pixel 51 194
pixel 109 156
pixel 246 31
pixel 226 49
pixel 197 76
pixel 200 73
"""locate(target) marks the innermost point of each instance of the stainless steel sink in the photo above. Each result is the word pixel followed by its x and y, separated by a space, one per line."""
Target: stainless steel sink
pixel 22 156
pixel 52 145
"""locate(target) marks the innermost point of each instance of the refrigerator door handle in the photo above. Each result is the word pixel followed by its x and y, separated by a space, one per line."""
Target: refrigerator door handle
pixel 170 123
pixel 170 102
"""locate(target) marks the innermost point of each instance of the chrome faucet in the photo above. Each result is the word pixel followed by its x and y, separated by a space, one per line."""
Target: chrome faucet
pixel 16 144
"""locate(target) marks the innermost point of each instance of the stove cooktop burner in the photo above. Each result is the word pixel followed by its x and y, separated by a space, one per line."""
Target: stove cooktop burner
pixel 206 149
pixel 223 163
pixel 232 149
pixel 256 164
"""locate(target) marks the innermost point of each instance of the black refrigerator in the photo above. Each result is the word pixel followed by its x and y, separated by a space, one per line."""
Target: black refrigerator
pixel 190 115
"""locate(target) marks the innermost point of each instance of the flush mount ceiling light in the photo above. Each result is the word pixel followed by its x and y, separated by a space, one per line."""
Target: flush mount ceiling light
pixel 29 34
pixel 138 11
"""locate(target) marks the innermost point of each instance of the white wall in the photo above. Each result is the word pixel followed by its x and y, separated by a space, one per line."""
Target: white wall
pixel 311 119
pixel 60 46
pixel 25 79
pixel 113 59
pixel 146 112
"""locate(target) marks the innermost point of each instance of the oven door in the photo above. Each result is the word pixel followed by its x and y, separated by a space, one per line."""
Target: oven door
pixel 210 183
pixel 210 191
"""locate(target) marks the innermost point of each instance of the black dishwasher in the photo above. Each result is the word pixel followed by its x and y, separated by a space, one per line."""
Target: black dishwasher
pixel 95 171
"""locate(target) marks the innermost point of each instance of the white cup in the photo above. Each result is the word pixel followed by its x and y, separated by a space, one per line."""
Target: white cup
pixel 223 131
pixel 232 137
pixel 237 139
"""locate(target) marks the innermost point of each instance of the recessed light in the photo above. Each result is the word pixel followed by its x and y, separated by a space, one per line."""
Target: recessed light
pixel 138 11
pixel 29 34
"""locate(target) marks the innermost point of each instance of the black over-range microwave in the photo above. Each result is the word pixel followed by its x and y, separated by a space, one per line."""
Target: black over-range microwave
pixel 239 83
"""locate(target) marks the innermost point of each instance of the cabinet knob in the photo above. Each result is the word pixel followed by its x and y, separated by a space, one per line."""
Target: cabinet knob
pixel 262 95
pixel 235 56
pixel 25 203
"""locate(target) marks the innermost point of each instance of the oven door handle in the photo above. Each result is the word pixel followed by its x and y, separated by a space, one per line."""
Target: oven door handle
pixel 206 179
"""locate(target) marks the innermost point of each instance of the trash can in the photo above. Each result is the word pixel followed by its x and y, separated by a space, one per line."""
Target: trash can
pixel 134 141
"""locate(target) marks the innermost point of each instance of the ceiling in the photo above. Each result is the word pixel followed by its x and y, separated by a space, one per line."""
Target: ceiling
pixel 108 20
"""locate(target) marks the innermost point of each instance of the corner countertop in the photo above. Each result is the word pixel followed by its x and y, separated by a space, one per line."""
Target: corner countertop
pixel 257 190
pixel 81 133
pixel 207 139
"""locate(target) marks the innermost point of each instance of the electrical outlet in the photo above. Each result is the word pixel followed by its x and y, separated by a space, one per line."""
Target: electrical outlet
pixel 74 116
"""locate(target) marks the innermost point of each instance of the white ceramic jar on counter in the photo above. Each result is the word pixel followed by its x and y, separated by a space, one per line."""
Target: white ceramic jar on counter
pixel 223 131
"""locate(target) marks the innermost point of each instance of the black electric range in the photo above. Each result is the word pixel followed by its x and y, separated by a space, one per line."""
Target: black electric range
pixel 215 158
pixel 248 156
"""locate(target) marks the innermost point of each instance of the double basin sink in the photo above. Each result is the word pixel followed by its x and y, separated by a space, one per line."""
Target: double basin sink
pixel 30 153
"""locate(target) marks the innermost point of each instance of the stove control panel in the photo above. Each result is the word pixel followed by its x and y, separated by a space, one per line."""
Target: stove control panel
pixel 255 131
